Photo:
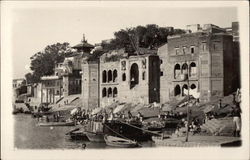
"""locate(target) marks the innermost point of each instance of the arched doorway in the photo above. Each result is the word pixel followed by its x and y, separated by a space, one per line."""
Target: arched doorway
pixel 134 75
pixel 177 69
pixel 115 92
pixel 109 76
pixel 177 90
pixel 184 68
pixel 115 75
pixel 104 92
pixel 124 77
pixel 109 92
pixel 184 88
pixel 193 70
pixel 104 76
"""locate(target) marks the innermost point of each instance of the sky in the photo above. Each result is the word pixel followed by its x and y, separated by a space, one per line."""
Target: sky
pixel 33 28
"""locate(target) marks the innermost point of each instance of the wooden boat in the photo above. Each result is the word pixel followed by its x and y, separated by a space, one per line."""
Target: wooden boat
pixel 95 136
pixel 78 134
pixel 133 130
pixel 50 124
pixel 119 142
pixel 40 114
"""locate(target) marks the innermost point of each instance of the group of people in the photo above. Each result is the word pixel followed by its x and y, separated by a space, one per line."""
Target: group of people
pixel 125 117
pixel 171 114
pixel 193 126
pixel 80 116
pixel 209 116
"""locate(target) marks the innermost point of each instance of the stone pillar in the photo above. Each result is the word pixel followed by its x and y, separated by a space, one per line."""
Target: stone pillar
pixel 65 85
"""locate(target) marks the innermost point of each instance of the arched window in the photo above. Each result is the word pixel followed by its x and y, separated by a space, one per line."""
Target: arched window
pixel 134 75
pixel 177 90
pixel 104 76
pixel 109 92
pixel 115 92
pixel 193 86
pixel 104 92
pixel 184 68
pixel 177 70
pixel 109 75
pixel 144 75
pixel 124 77
pixel 184 90
pixel 115 75
pixel 193 70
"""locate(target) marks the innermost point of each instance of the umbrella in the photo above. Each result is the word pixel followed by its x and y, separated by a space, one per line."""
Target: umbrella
pixel 208 109
pixel 73 111
pixel 137 107
pixel 111 106
pixel 149 112
pixel 167 108
pixel 97 110
pixel 63 108
pixel 119 108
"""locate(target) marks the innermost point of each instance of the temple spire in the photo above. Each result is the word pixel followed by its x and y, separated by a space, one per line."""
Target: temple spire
pixel 83 38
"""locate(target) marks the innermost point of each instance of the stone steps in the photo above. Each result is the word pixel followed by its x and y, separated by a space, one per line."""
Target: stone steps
pixel 219 126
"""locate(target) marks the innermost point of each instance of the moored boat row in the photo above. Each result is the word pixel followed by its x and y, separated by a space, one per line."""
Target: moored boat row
pixel 51 124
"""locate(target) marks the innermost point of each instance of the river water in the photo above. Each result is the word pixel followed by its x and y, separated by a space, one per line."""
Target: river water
pixel 30 136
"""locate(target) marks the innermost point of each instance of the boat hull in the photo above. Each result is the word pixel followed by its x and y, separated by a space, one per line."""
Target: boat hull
pixel 78 135
pixel 126 130
pixel 117 128
pixel 95 137
pixel 119 142
pixel 52 124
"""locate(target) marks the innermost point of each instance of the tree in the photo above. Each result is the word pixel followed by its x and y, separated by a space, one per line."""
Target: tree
pixel 43 63
pixel 150 36
pixel 31 78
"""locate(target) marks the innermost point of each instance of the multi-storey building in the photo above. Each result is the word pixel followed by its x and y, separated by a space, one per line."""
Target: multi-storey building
pixel 203 62
pixel 118 77
pixel 19 87
pixel 67 79
pixel 51 88
pixel 109 80
pixel 205 56
pixel 18 82
pixel 72 79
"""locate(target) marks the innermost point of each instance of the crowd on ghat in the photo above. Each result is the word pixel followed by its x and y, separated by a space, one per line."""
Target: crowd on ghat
pixel 81 116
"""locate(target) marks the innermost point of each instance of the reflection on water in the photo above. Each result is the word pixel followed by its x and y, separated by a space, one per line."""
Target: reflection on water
pixel 30 136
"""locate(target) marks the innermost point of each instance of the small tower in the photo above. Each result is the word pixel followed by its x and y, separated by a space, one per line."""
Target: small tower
pixel 90 84
pixel 84 46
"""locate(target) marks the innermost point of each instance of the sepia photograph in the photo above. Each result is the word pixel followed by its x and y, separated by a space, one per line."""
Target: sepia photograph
pixel 124 80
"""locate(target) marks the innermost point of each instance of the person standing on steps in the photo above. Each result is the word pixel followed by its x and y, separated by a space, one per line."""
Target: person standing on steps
pixel 236 119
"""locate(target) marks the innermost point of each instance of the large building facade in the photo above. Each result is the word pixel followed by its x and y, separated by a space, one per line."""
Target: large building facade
pixel 205 57
pixel 67 78
pixel 119 78
pixel 51 89
pixel 204 62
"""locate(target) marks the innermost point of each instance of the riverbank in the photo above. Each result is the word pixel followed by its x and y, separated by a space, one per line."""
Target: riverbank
pixel 28 135
pixel 199 141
